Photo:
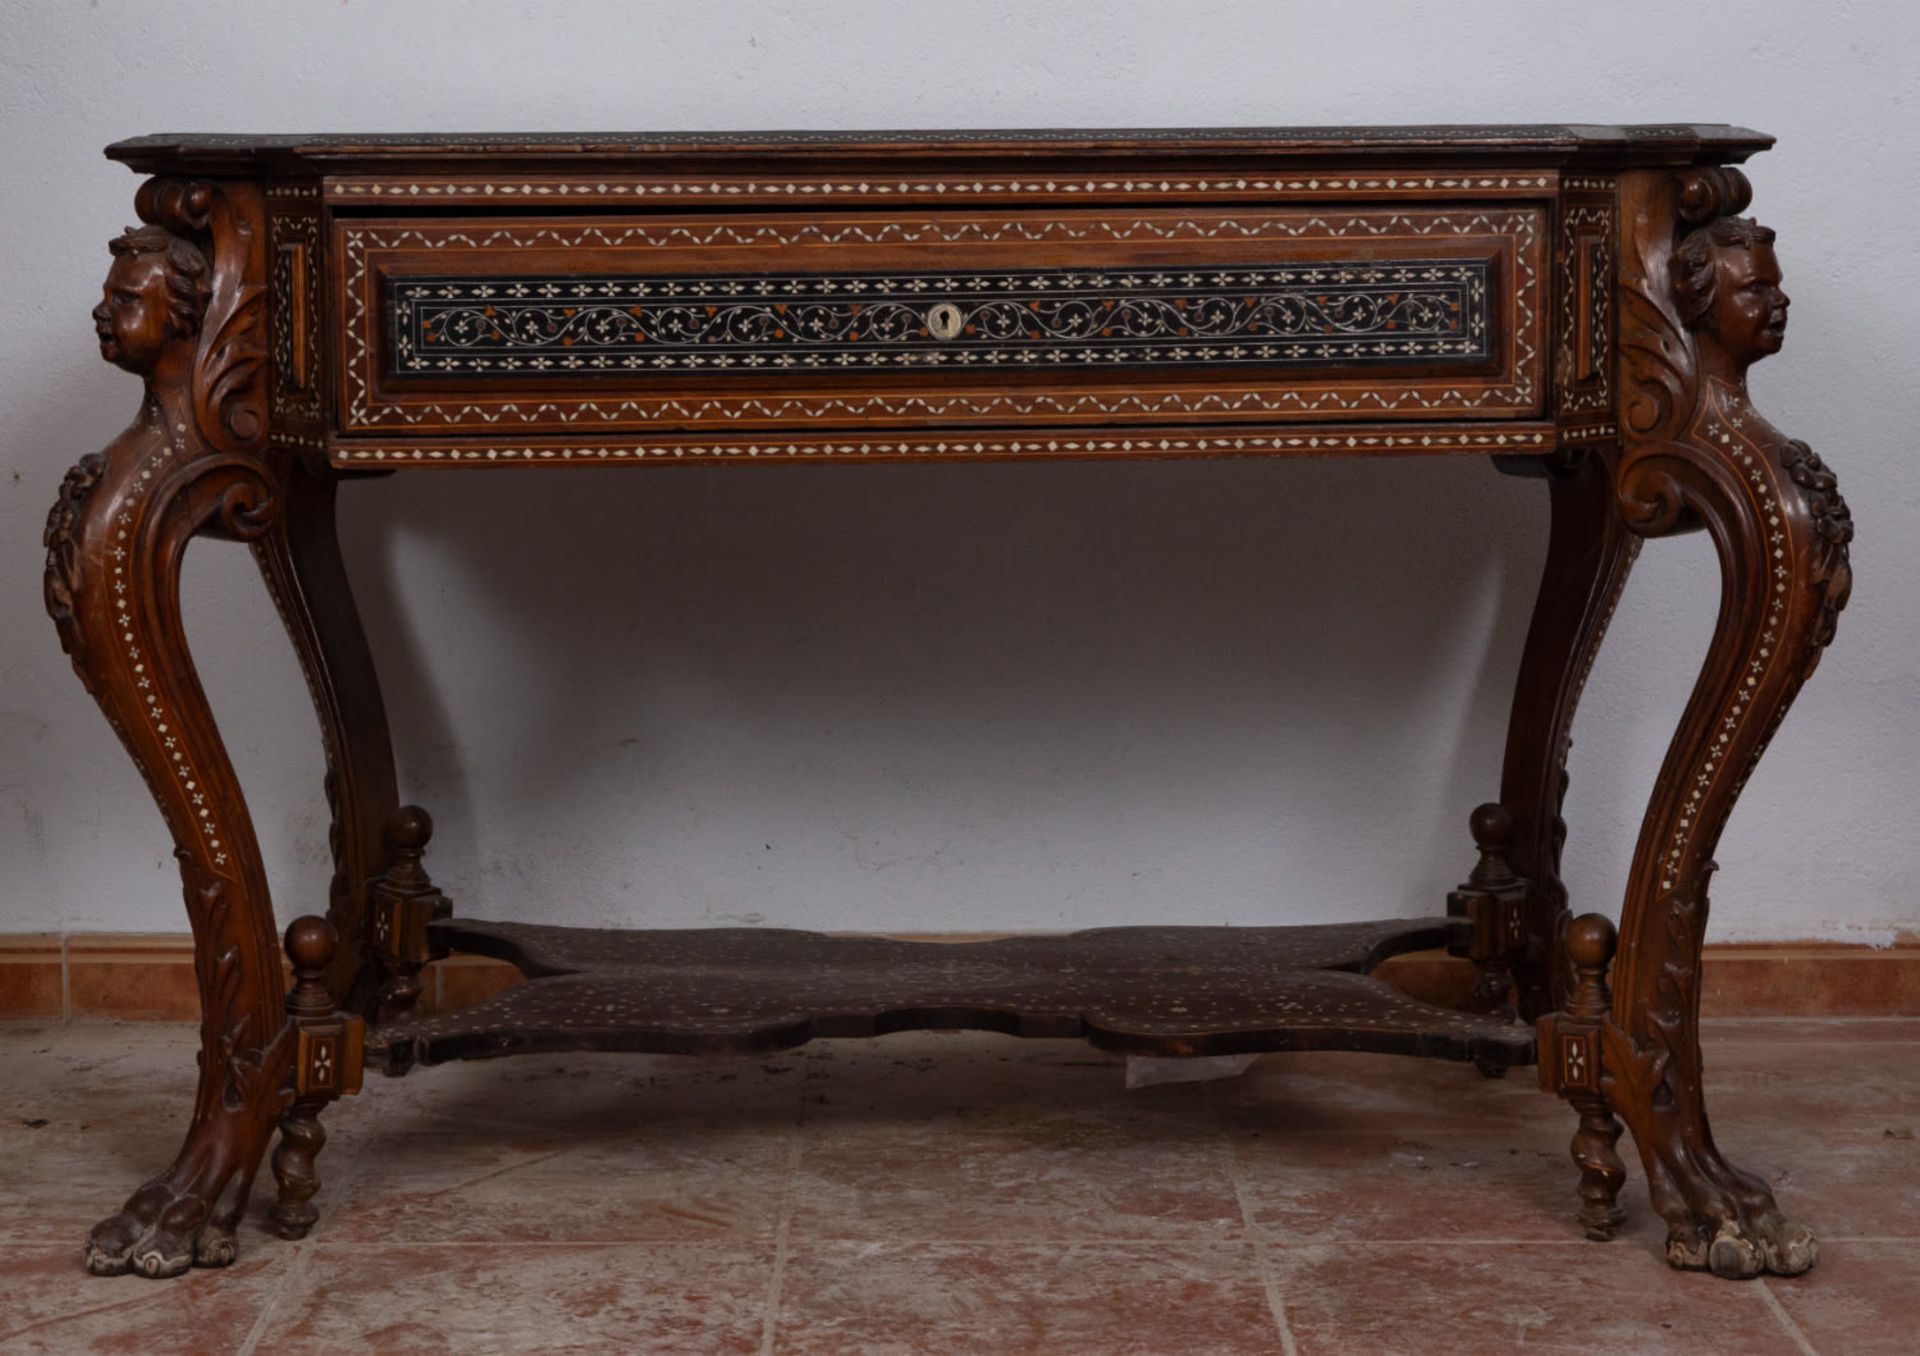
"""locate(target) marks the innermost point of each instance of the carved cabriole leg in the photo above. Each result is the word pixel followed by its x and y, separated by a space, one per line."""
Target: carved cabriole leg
pixel 300 559
pixel 1589 555
pixel 1699 308
pixel 182 308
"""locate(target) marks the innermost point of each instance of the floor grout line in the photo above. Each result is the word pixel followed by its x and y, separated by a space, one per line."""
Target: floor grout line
pixel 296 1270
pixel 783 1226
pixel 1785 1319
pixel 1078 1240
pixel 1276 1301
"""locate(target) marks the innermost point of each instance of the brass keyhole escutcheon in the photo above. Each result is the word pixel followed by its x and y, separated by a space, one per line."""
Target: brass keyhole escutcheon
pixel 944 320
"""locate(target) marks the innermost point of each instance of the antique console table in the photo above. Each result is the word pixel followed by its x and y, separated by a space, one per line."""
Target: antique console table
pixel 1578 304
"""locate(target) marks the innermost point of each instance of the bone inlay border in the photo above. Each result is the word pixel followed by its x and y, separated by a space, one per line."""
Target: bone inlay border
pixel 960 446
pixel 1300 314
pixel 977 186
pixel 1723 421
pixel 364 410
pixel 1586 257
pixel 293 313
pixel 129 616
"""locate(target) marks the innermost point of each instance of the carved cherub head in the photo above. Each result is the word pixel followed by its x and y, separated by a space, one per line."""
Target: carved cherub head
pixel 1726 283
pixel 155 294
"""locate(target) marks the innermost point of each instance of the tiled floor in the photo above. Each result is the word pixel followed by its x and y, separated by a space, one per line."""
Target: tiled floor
pixel 961 1194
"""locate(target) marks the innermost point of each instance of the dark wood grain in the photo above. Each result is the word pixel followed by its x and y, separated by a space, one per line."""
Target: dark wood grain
pixel 1142 990
pixel 1666 143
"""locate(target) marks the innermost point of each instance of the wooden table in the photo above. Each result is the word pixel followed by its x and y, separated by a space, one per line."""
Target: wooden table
pixel 1578 304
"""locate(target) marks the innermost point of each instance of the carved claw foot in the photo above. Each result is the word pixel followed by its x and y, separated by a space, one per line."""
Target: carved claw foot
pixel 160 1233
pixel 1743 1244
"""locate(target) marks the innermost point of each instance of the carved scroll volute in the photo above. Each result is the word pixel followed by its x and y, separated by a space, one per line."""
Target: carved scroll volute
pixel 227 222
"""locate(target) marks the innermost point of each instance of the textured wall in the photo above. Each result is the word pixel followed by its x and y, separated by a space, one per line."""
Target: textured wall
pixel 952 697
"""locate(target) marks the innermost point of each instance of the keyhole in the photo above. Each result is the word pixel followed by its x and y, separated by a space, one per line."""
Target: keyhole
pixel 944 320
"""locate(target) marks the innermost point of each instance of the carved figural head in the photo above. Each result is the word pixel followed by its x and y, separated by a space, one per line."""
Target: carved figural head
pixel 1726 283
pixel 155 294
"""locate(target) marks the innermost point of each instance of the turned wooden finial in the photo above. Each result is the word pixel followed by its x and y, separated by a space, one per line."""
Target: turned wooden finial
pixel 310 943
pixel 409 832
pixel 403 902
pixel 1492 828
pixel 1591 940
pixel 1493 900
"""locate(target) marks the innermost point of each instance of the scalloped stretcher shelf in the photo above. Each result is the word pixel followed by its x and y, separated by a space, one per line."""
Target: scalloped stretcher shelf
pixel 1138 990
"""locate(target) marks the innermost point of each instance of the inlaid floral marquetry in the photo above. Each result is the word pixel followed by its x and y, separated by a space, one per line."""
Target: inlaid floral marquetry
pixel 1314 313
pixel 772 320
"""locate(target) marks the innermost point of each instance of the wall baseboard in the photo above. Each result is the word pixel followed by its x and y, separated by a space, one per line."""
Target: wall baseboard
pixel 148 977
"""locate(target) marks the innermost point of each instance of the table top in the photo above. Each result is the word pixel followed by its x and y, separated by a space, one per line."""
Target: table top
pixel 1571 143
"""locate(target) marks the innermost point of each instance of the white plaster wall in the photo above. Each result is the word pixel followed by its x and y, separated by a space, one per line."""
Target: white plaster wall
pixel 971 697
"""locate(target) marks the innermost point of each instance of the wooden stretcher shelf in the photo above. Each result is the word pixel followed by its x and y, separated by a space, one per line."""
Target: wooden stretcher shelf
pixel 1139 990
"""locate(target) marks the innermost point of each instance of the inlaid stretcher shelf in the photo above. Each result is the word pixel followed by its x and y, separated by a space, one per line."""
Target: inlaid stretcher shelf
pixel 1138 990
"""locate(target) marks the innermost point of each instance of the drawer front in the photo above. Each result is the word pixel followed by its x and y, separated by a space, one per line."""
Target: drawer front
pixel 526 326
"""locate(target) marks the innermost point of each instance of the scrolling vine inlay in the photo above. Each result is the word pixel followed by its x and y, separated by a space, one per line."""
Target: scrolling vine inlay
pixel 1323 313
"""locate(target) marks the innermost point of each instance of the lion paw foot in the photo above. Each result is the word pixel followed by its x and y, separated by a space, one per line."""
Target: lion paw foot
pixel 1744 1246
pixel 158 1238
pixel 122 1243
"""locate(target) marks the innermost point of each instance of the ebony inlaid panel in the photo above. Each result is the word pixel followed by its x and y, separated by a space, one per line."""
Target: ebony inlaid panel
pixel 1317 313
pixel 1142 990
pixel 521 326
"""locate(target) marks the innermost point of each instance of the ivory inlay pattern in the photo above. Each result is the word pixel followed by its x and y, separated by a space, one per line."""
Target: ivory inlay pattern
pixel 367 410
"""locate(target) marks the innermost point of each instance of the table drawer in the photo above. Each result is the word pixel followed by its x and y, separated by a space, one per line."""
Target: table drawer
pixel 528 325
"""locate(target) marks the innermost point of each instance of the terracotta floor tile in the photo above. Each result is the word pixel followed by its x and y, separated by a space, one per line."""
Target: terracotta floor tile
pixel 561 1188
pixel 87 1113
pixel 1436 1189
pixel 1852 1177
pixel 1003 1140
pixel 49 1303
pixel 1102 1299
pixel 595 1148
pixel 960 1192
pixel 1575 1300
pixel 1862 1300
pixel 681 1298
pixel 1091 1179
pixel 1345 1094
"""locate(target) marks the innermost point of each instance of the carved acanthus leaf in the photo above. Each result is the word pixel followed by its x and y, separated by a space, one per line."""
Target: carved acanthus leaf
pixel 230 390
pixel 1662 376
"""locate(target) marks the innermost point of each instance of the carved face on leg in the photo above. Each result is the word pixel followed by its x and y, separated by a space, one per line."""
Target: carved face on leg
pixel 154 295
pixel 1726 282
